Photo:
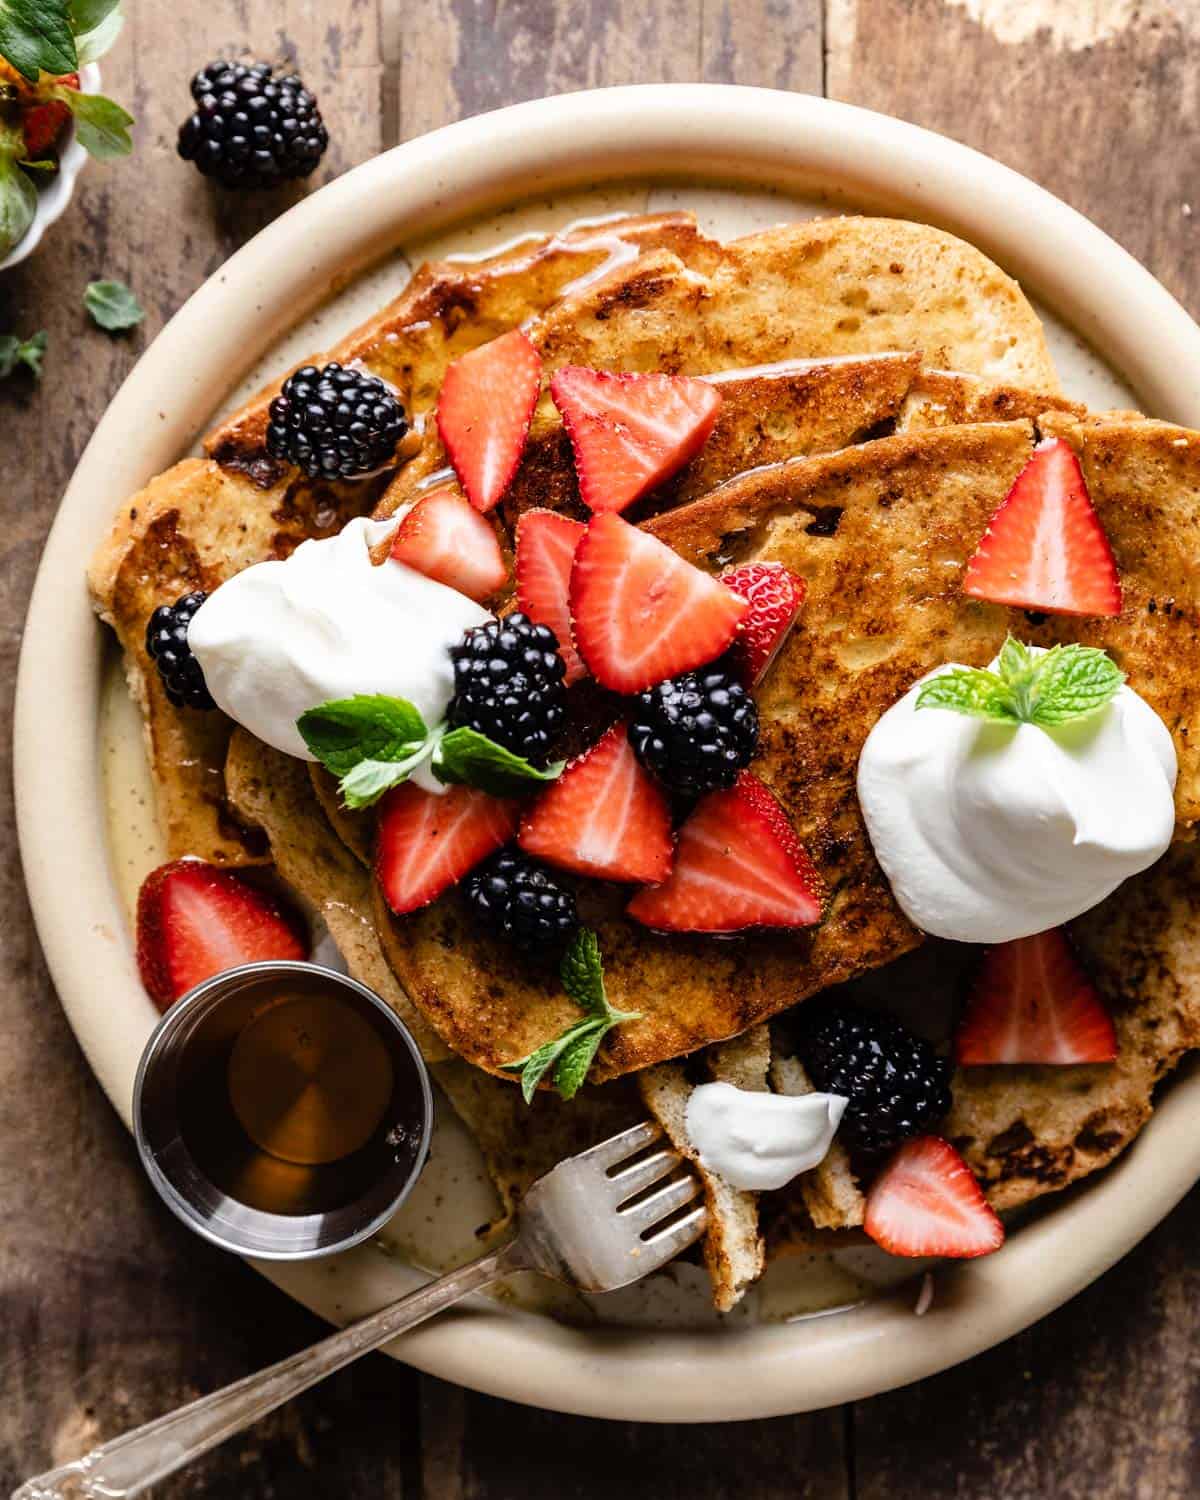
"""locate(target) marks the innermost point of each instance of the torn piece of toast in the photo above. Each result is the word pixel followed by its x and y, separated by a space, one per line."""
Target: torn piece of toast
pixel 733 1246
pixel 201 522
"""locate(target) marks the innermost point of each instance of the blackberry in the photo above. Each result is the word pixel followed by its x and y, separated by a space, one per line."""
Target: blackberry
pixel 167 645
pixel 696 731
pixel 335 423
pixel 519 898
pixel 250 129
pixel 508 685
pixel 896 1083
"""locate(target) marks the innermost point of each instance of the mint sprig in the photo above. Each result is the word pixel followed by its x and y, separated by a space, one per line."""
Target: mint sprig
pixel 573 1051
pixel 113 306
pixel 1048 688
pixel 27 352
pixel 373 742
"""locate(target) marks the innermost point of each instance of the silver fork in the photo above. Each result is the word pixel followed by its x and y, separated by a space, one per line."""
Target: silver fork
pixel 590 1222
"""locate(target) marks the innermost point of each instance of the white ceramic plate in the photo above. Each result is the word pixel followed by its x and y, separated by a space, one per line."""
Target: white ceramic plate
pixel 700 133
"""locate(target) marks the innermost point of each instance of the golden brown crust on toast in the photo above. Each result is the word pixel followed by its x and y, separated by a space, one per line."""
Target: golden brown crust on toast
pixel 449 307
pixel 191 528
pixel 944 398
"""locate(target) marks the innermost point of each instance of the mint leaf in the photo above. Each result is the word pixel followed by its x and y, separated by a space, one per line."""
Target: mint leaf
pixel 369 726
pixel 572 1052
pixel 112 305
pixel 36 37
pixel 102 127
pixel 18 199
pixel 369 779
pixel 1074 681
pixel 469 758
pixel 972 691
pixel 577 1057
pixel 1029 687
pixel 582 973
pixel 14 352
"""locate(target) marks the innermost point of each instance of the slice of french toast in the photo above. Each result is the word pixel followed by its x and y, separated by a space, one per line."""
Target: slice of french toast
pixel 204 520
pixel 881 532
pixel 824 289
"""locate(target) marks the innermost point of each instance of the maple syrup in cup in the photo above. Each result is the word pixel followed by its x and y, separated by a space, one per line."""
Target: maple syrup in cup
pixel 282 1110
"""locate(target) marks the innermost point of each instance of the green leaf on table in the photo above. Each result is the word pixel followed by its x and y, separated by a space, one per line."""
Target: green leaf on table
pixel 573 1051
pixel 466 757
pixel 18 201
pixel 36 37
pixel 27 352
pixel 112 305
pixel 101 126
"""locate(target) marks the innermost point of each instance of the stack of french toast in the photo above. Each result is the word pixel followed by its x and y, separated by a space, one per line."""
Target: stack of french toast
pixel 883 385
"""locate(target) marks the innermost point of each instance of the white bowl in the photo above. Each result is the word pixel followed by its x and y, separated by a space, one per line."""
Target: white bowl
pixel 57 193
pixel 687 131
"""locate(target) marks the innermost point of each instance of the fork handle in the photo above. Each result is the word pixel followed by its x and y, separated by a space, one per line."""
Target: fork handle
pixel 125 1466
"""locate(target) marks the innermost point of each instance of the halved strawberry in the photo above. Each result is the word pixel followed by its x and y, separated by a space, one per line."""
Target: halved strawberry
pixel 605 816
pixel 445 538
pixel 44 122
pixel 428 842
pixel 546 544
pixel 641 613
pixel 195 920
pixel 631 432
pixel 1045 547
pixel 739 864
pixel 483 413
pixel 774 595
pixel 926 1201
pixel 1032 1003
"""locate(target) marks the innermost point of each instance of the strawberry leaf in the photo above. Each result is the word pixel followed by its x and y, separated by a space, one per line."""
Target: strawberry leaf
pixel 112 305
pixel 18 201
pixel 36 37
pixel 101 126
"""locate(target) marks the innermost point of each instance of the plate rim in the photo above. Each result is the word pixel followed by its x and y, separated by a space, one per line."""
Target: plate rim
pixel 706 133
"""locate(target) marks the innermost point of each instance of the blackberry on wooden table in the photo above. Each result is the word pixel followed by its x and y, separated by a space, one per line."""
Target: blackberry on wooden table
pixel 250 129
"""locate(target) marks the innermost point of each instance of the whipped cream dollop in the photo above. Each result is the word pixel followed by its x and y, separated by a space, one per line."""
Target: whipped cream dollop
pixel 325 623
pixel 990 831
pixel 758 1141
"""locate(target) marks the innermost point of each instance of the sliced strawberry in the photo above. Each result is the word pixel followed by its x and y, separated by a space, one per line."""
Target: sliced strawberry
pixel 1045 547
pixel 631 432
pixel 428 842
pixel 43 123
pixel 641 613
pixel 605 816
pixel 739 864
pixel 445 538
pixel 774 595
pixel 483 414
pixel 927 1202
pixel 1032 1003
pixel 194 921
pixel 546 544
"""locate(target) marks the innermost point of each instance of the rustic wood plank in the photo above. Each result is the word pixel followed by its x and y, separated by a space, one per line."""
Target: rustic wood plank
pixel 1101 1398
pixel 110 1313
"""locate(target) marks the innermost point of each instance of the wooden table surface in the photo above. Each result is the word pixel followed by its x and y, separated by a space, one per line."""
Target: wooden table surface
pixel 110 1312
